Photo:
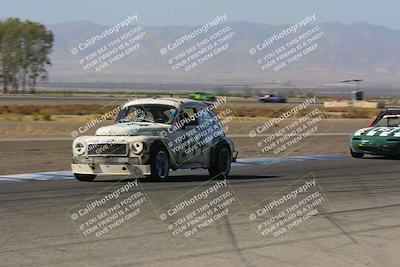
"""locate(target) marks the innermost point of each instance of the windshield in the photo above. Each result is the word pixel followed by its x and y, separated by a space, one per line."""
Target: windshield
pixel 147 113
pixel 389 121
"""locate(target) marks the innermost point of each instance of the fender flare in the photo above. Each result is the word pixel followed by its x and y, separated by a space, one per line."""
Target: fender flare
pixel 158 143
pixel 220 143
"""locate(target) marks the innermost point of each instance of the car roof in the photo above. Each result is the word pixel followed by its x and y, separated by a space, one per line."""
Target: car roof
pixel 391 116
pixel 171 101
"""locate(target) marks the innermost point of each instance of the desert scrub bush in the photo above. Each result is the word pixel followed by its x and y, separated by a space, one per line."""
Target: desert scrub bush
pixel 6 116
pixel 12 117
pixel 36 116
pixel 19 117
pixel 45 114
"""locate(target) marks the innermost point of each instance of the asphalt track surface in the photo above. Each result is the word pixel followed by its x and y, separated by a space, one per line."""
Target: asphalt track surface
pixel 362 228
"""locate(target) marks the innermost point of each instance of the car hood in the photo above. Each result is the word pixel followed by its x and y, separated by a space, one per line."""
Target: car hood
pixel 132 129
pixel 378 132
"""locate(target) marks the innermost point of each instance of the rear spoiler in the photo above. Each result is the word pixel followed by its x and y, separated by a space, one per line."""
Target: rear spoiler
pixel 392 109
pixel 395 110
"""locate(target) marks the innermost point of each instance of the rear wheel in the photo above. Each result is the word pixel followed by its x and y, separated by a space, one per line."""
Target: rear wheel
pixel 159 164
pixel 358 155
pixel 221 161
pixel 84 177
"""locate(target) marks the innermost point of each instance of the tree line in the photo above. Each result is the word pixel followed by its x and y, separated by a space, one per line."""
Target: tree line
pixel 25 47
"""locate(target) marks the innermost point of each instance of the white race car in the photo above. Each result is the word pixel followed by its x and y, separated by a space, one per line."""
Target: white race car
pixel 152 136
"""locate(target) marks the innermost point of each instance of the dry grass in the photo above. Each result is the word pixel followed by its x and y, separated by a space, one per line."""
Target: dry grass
pixel 76 109
pixel 265 110
pixel 45 112
pixel 352 113
pixel 12 117
pixel 271 112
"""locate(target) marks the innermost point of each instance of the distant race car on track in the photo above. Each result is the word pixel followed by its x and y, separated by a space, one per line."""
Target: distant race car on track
pixel 271 99
pixel 202 96
pixel 381 138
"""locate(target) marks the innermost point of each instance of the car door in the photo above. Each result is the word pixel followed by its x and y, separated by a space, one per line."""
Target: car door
pixel 209 127
pixel 187 134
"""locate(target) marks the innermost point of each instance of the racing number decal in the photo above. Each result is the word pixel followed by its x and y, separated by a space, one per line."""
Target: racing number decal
pixel 387 131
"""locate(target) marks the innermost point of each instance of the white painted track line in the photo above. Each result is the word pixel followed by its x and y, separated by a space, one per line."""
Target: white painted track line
pixel 67 175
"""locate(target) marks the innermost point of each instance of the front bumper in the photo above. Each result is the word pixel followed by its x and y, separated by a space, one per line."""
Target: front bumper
pixel 376 148
pixel 111 169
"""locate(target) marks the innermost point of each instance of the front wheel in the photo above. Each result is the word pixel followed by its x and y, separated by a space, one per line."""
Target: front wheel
pixel 221 161
pixel 159 164
pixel 356 154
pixel 84 177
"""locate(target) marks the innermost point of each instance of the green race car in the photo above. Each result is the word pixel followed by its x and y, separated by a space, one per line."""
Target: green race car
pixel 381 138
pixel 202 96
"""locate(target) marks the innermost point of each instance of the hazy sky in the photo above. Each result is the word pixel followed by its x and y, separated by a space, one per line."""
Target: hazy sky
pixel 181 12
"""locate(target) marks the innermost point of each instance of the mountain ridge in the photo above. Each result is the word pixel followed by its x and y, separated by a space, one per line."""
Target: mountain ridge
pixel 359 50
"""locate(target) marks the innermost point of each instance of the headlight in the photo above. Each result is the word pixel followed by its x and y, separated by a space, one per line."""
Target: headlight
pixel 79 148
pixel 136 147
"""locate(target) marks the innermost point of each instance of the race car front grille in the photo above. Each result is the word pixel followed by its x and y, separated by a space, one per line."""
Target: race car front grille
pixel 107 149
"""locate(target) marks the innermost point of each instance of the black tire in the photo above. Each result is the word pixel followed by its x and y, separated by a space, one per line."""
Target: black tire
pixel 160 164
pixel 84 177
pixel 221 161
pixel 356 154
